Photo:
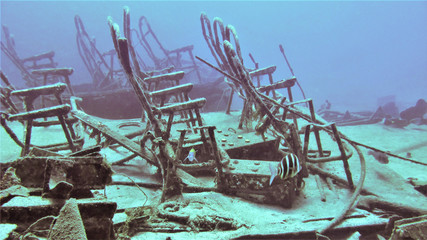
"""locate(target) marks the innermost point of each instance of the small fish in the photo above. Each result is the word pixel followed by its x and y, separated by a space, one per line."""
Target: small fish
pixel 288 167
pixel 191 156
pixel 379 156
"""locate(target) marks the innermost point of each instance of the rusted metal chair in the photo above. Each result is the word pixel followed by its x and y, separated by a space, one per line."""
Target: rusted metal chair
pixel 37 70
pixel 162 87
pixel 181 58
pixel 29 115
pixel 27 65
pixel 216 47
pixel 101 66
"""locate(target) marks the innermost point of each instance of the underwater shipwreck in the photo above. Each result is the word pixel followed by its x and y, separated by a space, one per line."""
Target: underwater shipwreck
pixel 152 150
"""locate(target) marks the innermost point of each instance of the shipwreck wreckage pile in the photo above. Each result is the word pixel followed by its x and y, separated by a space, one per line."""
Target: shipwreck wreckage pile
pixel 235 159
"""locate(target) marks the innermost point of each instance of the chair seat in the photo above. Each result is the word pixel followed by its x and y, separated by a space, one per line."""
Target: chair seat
pixel 46 123
pixel 59 110
pixel 50 54
pixel 285 83
pixel 175 76
pixel 263 71
pixel 188 105
pixel 182 49
pixel 184 88
pixel 56 88
pixel 54 71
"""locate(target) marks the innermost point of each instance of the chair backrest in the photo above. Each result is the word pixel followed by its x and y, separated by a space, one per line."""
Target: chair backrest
pixel 151 44
pixel 181 58
pixel 216 45
pixel 26 65
pixel 5 96
pixel 10 41
pixel 102 71
pixel 214 42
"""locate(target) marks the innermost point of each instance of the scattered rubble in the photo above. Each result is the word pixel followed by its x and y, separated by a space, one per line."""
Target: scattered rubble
pixel 56 195
pixel 68 224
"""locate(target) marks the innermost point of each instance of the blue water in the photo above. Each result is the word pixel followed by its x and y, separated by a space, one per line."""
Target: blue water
pixel 351 53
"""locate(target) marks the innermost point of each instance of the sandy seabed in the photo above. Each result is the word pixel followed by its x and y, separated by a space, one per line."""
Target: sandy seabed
pixel 386 180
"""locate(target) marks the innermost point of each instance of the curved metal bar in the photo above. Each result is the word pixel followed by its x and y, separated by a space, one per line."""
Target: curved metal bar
pixel 204 20
pixel 230 30
pixel 141 61
pixel 90 55
pixel 218 43
pixel 127 33
pixel 143 22
pixel 350 204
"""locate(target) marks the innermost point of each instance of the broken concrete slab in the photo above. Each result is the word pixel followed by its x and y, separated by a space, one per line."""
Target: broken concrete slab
pixel 16 190
pixel 6 230
pixel 9 179
pixel 62 190
pixel 69 223
pixel 97 214
pixel 410 228
pixel 86 172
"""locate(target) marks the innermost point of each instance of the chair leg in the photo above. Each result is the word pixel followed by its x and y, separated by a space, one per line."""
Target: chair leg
pixel 187 121
pixel 316 130
pixel 71 129
pixel 199 118
pixel 180 99
pixel 291 99
pixel 27 134
pixel 192 120
pixel 67 133
pixel 47 174
pixel 230 100
pixel 244 114
pixel 343 155
pixel 188 115
pixel 204 140
pixel 43 97
pixel 169 126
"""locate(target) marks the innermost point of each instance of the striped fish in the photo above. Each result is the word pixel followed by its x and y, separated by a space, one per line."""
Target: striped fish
pixel 288 167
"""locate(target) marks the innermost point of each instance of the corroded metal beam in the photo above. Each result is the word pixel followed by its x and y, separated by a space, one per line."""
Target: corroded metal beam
pixel 120 139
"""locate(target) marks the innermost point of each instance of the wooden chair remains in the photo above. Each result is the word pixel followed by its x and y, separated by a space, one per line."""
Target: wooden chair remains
pixel 229 59
pixel 181 58
pixel 172 177
pixel 217 49
pixel 154 86
pixel 101 66
pixel 43 78
pixel 27 65
pixel 30 114
pixel 179 100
